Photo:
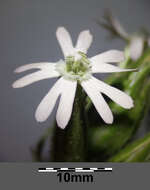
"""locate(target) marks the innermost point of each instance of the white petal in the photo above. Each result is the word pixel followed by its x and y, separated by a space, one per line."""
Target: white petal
pixel 66 103
pixel 115 94
pixel 111 56
pixel 84 41
pixel 98 101
pixel 65 41
pixel 136 47
pixel 34 77
pixel 149 42
pixel 108 68
pixel 48 102
pixel 119 28
pixel 41 65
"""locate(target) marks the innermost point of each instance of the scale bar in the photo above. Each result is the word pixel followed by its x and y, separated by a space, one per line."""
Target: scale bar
pixel 44 170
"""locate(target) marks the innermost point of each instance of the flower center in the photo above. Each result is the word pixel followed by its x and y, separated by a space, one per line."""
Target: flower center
pixel 75 69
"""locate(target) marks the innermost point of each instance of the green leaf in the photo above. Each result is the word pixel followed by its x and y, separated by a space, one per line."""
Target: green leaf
pixel 134 152
pixel 38 150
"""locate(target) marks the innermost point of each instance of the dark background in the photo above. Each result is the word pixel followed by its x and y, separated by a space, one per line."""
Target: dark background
pixel 27 34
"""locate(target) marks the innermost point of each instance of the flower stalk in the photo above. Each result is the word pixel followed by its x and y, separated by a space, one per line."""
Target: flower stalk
pixel 69 145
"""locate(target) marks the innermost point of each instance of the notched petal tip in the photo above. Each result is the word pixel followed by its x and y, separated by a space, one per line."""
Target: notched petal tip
pixel 39 118
pixel 130 104
pixel 60 125
pixel 17 70
pixel 135 70
pixel 23 68
pixel 60 29
pixel 89 35
pixel 15 85
pixel 84 41
pixel 18 84
pixel 109 120
pixel 87 32
pixel 65 41
pixel 130 70
pixel 148 42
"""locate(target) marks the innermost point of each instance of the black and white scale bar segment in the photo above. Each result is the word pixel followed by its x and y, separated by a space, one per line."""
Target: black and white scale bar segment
pixel 75 170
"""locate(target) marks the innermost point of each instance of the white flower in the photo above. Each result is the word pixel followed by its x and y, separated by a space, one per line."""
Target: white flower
pixel 136 46
pixel 149 42
pixel 136 40
pixel 76 68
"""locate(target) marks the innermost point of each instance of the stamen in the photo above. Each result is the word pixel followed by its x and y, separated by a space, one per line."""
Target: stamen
pixel 75 69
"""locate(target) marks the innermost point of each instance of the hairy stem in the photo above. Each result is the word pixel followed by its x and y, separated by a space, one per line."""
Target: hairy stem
pixel 69 144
